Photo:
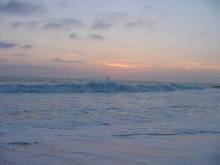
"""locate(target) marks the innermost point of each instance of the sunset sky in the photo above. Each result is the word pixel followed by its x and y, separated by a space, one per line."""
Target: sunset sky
pixel 155 40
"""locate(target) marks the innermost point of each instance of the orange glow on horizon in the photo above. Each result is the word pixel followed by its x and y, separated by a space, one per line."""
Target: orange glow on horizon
pixel 125 65
pixel 184 65
pixel 118 65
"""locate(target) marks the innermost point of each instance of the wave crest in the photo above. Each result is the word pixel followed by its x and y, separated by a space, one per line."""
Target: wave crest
pixel 96 86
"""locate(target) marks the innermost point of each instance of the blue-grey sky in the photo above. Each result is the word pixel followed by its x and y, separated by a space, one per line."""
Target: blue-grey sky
pixel 163 40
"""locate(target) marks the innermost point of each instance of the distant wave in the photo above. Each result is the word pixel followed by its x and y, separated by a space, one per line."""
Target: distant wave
pixel 96 86
pixel 217 86
pixel 184 132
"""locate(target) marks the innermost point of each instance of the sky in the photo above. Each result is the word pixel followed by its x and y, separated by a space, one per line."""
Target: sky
pixel 149 40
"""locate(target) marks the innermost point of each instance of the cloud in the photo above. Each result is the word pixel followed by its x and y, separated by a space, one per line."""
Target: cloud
pixel 96 37
pixel 134 24
pixel 148 7
pixel 16 24
pixel 149 24
pixel 27 46
pixel 66 61
pixel 49 24
pixel 126 64
pixel 7 45
pixel 101 25
pixel 19 54
pixel 53 25
pixel 62 23
pixel 29 24
pixel 21 8
pixel 107 20
pixel 73 36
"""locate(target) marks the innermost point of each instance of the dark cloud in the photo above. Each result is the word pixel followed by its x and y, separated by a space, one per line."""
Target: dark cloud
pixel 149 24
pixel 73 36
pixel 66 61
pixel 62 23
pixel 56 23
pixel 53 25
pixel 27 46
pixel 49 24
pixel 7 45
pixel 134 24
pixel 96 37
pixel 101 25
pixel 21 8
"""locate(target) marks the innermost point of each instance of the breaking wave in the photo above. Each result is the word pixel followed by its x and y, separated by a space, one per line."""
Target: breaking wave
pixel 96 86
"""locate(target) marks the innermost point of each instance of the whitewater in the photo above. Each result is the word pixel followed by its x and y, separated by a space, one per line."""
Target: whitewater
pixel 87 122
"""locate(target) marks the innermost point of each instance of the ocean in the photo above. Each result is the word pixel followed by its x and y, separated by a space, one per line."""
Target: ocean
pixel 105 122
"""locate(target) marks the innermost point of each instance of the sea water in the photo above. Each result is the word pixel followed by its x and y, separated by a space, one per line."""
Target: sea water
pixel 108 122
